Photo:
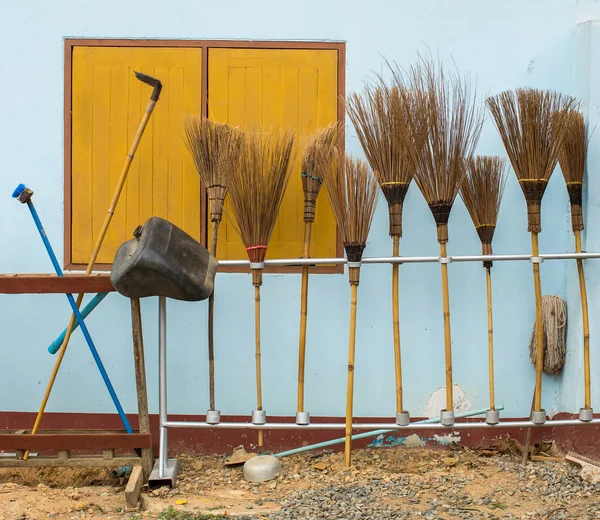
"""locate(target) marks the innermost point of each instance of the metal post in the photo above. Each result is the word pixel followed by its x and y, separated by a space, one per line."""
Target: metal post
pixel 162 384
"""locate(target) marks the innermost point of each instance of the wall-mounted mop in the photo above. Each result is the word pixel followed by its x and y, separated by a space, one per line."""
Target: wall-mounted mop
pixel 312 180
pixel 23 195
pixel 481 191
pixel 157 87
pixel 531 124
pixel 572 163
pixel 380 122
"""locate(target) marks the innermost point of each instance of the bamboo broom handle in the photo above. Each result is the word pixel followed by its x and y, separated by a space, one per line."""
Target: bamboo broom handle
pixel 92 261
pixel 447 335
pixel 257 356
pixel 303 317
pixel 539 357
pixel 586 324
pixel 350 389
pixel 396 325
pixel 488 279
pixel 211 322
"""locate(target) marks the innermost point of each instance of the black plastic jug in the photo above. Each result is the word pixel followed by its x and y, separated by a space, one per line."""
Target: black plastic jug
pixel 163 260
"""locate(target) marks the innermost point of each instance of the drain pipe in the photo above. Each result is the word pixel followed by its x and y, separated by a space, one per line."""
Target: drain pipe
pixel 374 433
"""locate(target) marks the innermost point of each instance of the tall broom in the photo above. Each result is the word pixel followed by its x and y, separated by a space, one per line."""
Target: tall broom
pixel 481 191
pixel 312 180
pixel 444 129
pixel 571 157
pixel 352 192
pixel 380 124
pixel 532 125
pixel 256 191
pixel 215 149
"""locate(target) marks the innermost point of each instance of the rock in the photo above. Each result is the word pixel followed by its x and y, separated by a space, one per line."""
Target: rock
pixel 320 466
pixel 249 506
pixel 262 468
pixel 590 475
pixel 449 462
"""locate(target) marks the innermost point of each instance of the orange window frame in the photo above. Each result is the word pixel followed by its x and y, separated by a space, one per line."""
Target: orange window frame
pixel 205 45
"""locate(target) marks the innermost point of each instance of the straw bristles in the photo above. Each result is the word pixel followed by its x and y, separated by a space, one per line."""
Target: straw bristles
pixel 444 129
pixel 532 125
pixel 322 141
pixel 572 163
pixel 481 191
pixel 352 192
pixel 216 149
pixel 379 118
pixel 257 188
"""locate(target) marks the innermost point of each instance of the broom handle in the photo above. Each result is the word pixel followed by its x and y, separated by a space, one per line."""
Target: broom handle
pixel 257 356
pixel 396 325
pixel 539 331
pixel 92 261
pixel 211 321
pixel 303 317
pixel 488 280
pixel 447 335
pixel 586 324
pixel 350 389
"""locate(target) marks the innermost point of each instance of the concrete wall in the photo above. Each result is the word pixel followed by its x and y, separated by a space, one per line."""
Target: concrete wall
pixel 504 45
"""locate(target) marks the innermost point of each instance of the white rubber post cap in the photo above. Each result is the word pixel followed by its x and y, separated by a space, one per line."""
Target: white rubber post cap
pixel 262 468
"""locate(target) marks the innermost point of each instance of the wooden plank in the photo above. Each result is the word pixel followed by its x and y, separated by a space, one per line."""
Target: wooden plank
pixel 134 486
pixel 140 383
pixel 75 442
pixel 52 284
pixel 41 462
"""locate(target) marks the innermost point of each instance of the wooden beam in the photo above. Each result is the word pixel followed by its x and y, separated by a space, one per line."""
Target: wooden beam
pixel 41 462
pixel 134 486
pixel 52 284
pixel 96 441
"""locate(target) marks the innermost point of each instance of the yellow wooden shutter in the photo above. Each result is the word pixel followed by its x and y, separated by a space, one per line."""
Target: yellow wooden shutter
pixel 295 88
pixel 107 106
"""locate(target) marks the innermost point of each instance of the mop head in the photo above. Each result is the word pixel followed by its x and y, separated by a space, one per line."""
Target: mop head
pixel 554 320
pixel 18 191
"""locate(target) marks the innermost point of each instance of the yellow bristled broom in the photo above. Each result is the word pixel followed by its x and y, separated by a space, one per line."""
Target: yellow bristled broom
pixel 571 157
pixel 312 180
pixel 256 190
pixel 215 149
pixel 481 191
pixel 380 123
pixel 444 129
pixel 352 192
pixel 532 124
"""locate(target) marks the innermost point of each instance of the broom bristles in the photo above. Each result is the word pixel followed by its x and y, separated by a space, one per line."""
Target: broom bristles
pixel 481 191
pixel 322 141
pixel 379 119
pixel 444 126
pixel 532 125
pixel 215 149
pixel 571 157
pixel 257 187
pixel 352 192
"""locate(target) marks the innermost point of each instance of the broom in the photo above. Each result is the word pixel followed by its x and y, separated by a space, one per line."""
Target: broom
pixel 444 129
pixel 352 192
pixel 379 121
pixel 312 179
pixel 481 191
pixel 256 191
pixel 571 157
pixel 215 149
pixel 532 124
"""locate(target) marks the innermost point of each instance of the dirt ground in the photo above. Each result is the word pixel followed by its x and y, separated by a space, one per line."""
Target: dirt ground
pixel 460 480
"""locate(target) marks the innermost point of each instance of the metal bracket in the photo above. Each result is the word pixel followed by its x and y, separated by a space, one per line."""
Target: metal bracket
pixel 171 469
pixel 536 259
pixel 445 260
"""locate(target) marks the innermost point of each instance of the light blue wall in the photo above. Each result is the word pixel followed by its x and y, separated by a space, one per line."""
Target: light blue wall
pixel 504 44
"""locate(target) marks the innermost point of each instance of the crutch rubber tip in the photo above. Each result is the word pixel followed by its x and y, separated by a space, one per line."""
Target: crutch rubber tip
pixel 586 414
pixel 213 416
pixel 302 418
pixel 402 418
pixel 447 417
pixel 492 417
pixel 538 416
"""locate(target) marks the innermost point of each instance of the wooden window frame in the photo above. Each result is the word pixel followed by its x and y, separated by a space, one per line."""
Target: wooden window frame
pixel 205 45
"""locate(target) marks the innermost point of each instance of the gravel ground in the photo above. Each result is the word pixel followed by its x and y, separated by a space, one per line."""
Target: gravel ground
pixel 384 483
